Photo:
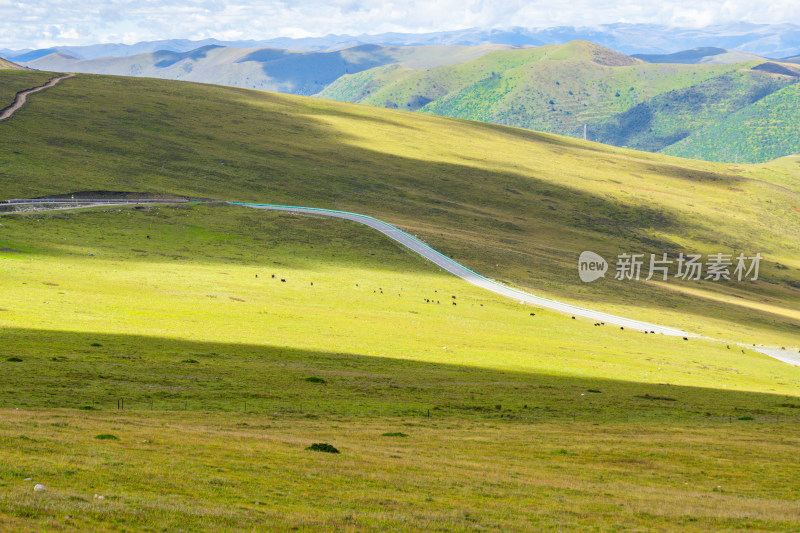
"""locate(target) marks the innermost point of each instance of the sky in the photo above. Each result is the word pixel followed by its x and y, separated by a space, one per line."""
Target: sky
pixel 45 23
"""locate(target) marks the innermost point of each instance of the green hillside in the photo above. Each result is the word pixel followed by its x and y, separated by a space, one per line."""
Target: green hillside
pixel 559 89
pixel 11 84
pixel 662 121
pixel 760 132
pixel 168 367
pixel 511 204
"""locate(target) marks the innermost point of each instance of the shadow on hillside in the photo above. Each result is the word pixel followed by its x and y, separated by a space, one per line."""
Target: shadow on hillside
pixel 267 148
pixel 98 370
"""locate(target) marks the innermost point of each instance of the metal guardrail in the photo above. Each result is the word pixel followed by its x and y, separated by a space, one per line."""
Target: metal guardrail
pixel 38 201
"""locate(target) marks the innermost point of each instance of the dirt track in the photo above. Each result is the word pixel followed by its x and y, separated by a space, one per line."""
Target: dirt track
pixel 22 96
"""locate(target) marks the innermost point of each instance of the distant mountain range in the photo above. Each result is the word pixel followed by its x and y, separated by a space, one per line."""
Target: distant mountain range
pixel 288 71
pixel 707 102
pixel 770 40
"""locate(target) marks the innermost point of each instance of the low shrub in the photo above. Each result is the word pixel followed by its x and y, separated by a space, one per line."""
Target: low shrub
pixel 323 447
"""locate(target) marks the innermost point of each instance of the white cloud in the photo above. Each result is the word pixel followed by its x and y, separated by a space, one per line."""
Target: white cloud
pixel 39 23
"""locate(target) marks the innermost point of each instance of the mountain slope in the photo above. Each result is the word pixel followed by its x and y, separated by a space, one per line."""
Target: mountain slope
pixel 661 121
pixel 707 55
pixel 575 89
pixel 765 130
pixel 288 71
pixel 511 204
pixel 8 65
pixel 555 89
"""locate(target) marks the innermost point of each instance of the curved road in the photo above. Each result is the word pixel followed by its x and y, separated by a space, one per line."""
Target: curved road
pixel 468 275
pixel 411 242
pixel 22 96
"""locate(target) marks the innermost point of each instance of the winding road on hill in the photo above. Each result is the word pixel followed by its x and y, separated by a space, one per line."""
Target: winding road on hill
pixel 22 96
pixel 444 262
pixel 414 244
pixel 457 269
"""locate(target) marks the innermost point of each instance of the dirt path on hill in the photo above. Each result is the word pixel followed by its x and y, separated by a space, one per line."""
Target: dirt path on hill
pixel 22 96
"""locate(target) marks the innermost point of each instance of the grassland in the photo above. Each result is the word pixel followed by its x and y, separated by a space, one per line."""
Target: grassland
pixel 512 421
pixel 449 417
pixel 511 204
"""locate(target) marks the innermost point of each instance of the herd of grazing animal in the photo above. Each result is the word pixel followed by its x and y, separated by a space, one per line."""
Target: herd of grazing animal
pixel 431 300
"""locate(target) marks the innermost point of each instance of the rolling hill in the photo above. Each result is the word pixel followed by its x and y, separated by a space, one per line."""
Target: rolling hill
pixel 574 88
pixel 707 55
pixel 171 367
pixel 512 204
pixel 759 132
pixel 288 71
pixel 8 65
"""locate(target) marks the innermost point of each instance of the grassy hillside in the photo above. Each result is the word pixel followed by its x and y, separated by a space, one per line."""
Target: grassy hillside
pixel 559 89
pixel 760 132
pixel 149 357
pixel 511 204
pixel 662 121
pixel 8 65
pixel 287 71
pixel 10 85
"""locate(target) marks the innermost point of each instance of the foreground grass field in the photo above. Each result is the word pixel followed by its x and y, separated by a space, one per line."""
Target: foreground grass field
pixel 449 417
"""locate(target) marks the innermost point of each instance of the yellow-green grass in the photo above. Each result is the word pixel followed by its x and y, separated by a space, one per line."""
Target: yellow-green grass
pixel 512 421
pixel 13 82
pixel 205 274
pixel 511 204
pixel 251 472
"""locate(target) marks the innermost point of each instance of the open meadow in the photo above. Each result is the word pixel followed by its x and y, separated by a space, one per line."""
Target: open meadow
pixel 165 368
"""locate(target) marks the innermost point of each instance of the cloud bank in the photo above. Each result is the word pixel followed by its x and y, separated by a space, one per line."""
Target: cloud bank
pixel 43 23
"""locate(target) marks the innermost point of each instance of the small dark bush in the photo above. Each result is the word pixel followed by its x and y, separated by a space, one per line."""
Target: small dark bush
pixel 96 344
pixel 192 361
pixel 746 418
pixel 106 436
pixel 86 408
pixel 394 434
pixel 14 359
pixel 314 379
pixel 594 390
pixel 322 447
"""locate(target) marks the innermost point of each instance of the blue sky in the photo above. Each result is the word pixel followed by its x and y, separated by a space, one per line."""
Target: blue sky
pixel 43 23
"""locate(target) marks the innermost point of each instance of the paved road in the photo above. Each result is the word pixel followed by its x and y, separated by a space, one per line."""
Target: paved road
pixel 464 273
pixel 788 356
pixel 22 96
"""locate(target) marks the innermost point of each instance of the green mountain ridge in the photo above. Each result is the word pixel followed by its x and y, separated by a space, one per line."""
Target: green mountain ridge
pixel 562 89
